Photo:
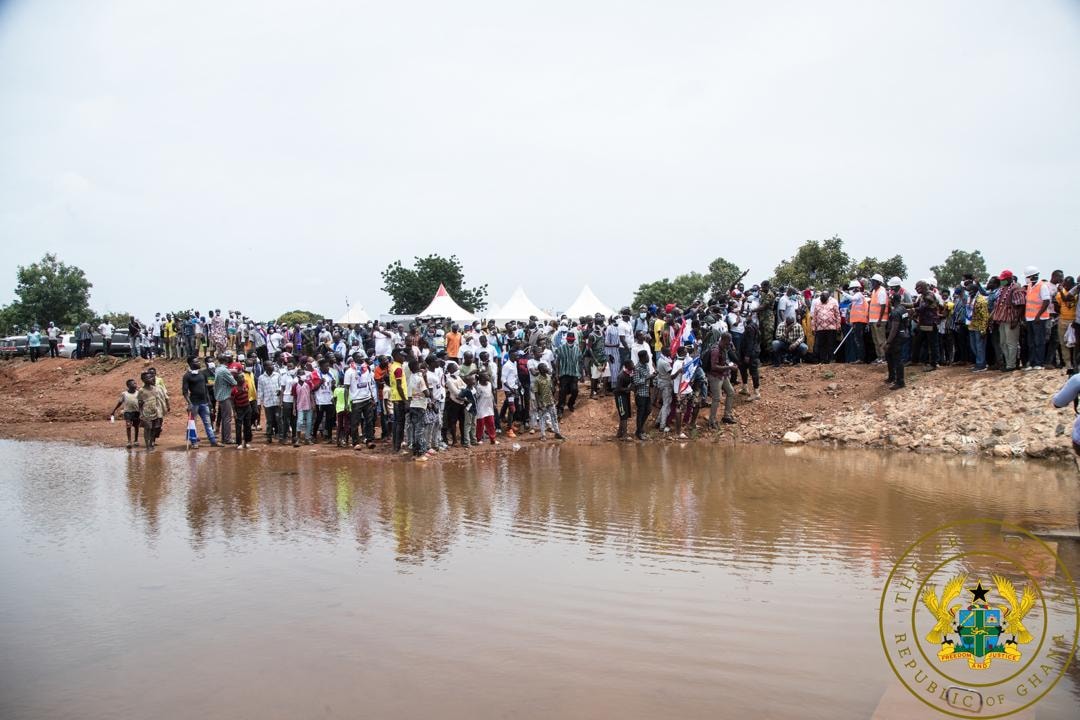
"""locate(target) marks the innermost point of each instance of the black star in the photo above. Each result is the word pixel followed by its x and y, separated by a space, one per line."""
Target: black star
pixel 979 592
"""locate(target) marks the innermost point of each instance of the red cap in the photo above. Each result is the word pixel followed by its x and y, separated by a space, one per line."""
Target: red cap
pixel 1006 275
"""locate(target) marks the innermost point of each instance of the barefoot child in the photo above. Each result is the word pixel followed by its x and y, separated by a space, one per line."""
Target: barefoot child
pixel 545 402
pixel 130 401
pixel 343 408
pixel 484 392
pixel 469 396
pixel 151 409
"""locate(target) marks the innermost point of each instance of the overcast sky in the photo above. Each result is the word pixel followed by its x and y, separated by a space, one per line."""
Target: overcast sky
pixel 267 155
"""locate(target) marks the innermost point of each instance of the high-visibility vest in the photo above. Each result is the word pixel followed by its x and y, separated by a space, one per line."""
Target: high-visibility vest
pixel 860 309
pixel 879 299
pixel 396 396
pixel 1034 302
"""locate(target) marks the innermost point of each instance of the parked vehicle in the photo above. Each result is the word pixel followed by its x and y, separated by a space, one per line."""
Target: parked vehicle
pixel 13 346
pixel 121 344
pixel 66 346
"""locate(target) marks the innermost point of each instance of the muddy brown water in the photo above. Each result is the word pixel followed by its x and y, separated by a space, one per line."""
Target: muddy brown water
pixel 571 582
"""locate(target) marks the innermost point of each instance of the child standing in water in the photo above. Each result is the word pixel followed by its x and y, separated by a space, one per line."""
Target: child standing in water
pixel 303 408
pixel 151 409
pixel 343 408
pixel 484 393
pixel 129 399
pixel 545 402
pixel 469 396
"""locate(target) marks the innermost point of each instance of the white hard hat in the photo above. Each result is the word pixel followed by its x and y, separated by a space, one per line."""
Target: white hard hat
pixel 877 277
pixel 854 285
pixel 1030 271
pixel 894 282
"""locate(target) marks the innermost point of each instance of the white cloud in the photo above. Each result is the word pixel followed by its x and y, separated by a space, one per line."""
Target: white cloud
pixel 70 183
pixel 547 144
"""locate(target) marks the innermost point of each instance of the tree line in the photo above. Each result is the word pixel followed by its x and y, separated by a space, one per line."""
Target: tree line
pixel 822 264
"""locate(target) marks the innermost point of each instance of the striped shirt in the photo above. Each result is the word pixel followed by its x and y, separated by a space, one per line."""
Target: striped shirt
pixel 568 356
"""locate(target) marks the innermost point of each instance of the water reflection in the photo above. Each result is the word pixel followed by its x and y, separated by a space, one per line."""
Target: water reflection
pixel 744 506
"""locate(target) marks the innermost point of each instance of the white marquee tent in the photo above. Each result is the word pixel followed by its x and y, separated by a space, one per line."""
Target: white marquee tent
pixel 356 314
pixel 518 307
pixel 443 306
pixel 588 304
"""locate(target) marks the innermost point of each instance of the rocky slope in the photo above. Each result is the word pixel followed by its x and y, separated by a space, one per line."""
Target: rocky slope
pixel 953 411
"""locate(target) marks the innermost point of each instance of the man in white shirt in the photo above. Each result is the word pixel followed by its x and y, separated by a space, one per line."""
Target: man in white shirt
pixel 53 334
pixel 788 306
pixel 106 329
pixel 363 394
pixel 682 388
pixel 287 382
pixel 155 331
pixel 510 385
pixel 626 336
pixel 641 343
pixel 436 381
pixel 273 341
pixel 383 342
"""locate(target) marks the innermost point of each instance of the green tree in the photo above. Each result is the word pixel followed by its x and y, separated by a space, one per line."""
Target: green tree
pixel 683 290
pixel 49 290
pixel 949 273
pixel 411 289
pixel 868 266
pixel 299 317
pixel 10 322
pixel 722 275
pixel 817 263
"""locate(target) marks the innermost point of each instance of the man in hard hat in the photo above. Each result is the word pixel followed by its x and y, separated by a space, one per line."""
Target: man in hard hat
pixel 1037 316
pixel 879 312
pixel 1007 313
pixel 858 317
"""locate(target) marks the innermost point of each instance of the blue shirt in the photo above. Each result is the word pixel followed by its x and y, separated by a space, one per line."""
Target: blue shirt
pixel 1069 392
pixel 33 339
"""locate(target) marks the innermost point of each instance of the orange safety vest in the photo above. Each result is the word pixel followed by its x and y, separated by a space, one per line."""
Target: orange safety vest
pixel 876 305
pixel 859 312
pixel 1034 302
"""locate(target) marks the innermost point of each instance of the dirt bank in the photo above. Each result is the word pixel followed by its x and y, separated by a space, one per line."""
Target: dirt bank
pixel 952 411
pixel 949 411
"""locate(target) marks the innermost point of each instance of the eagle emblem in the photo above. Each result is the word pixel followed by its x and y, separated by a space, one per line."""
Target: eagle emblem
pixel 976 630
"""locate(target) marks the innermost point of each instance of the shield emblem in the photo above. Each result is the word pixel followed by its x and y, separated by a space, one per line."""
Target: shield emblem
pixel 979 630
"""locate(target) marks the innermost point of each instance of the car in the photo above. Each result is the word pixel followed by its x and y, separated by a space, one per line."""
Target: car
pixel 66 345
pixel 120 346
pixel 13 346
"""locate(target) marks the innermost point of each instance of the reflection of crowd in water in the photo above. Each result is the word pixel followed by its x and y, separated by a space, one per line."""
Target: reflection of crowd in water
pixel 659 502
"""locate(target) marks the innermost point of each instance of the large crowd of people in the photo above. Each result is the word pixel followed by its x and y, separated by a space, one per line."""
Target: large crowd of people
pixel 430 384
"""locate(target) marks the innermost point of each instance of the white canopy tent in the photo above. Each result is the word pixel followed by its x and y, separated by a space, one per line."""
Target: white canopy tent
pixel 588 304
pixel 443 306
pixel 355 315
pixel 518 307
